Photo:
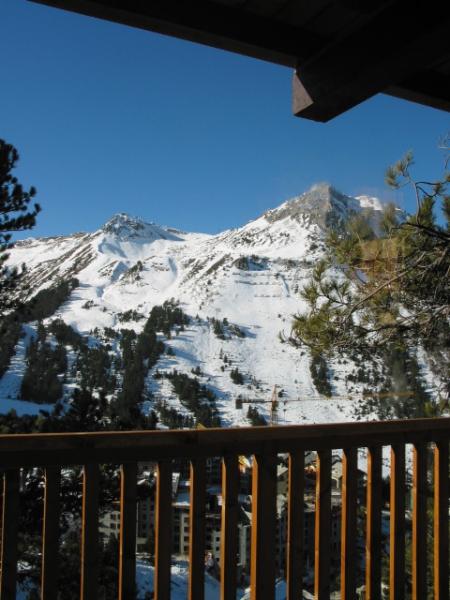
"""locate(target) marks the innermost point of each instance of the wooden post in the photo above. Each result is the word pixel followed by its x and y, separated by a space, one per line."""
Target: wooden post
pixel 323 526
pixel 163 530
pixel 196 589
pixel 373 526
pixel 397 524
pixel 50 534
pixel 263 548
pixel 229 531
pixel 89 533
pixel 295 524
pixel 441 490
pixel 349 557
pixel 127 555
pixel 9 534
pixel 419 524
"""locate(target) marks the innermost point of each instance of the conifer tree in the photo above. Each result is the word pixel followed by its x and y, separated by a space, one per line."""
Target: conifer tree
pixel 374 287
pixel 382 292
pixel 15 215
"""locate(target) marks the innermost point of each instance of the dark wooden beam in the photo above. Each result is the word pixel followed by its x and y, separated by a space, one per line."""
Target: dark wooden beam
pixel 428 87
pixel 214 24
pixel 385 48
pixel 388 49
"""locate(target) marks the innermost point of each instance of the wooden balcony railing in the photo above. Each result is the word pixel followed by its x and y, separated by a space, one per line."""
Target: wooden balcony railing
pixel 54 451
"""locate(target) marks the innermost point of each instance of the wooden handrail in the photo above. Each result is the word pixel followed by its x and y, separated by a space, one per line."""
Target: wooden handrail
pixel 23 450
pixel 55 451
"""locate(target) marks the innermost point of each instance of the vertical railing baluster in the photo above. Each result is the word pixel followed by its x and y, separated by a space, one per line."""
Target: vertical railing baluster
pixel 50 534
pixel 229 532
pixel 441 541
pixel 196 586
pixel 9 534
pixel 322 526
pixel 89 533
pixel 127 553
pixel 348 523
pixel 373 524
pixel 163 530
pixel 397 524
pixel 419 523
pixel 295 524
pixel 263 542
pixel 1 514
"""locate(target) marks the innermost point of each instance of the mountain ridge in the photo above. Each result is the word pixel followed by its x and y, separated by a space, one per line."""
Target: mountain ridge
pixel 122 222
pixel 247 277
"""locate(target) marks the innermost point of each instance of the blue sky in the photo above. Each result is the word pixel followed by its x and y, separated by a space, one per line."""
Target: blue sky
pixel 108 118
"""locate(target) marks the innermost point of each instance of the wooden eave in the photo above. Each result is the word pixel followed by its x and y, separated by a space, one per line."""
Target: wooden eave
pixel 342 52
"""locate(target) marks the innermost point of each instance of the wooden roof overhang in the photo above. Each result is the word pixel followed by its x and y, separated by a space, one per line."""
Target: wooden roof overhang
pixel 342 51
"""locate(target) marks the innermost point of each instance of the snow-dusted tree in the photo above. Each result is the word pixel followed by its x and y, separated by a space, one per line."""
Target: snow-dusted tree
pixel 376 287
pixel 384 292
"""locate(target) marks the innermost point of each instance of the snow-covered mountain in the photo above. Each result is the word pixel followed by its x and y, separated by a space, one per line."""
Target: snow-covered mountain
pixel 249 276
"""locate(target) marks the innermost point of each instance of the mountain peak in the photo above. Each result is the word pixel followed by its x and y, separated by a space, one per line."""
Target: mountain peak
pixel 126 227
pixel 123 223
pixel 321 199
pixel 321 187
pixel 324 205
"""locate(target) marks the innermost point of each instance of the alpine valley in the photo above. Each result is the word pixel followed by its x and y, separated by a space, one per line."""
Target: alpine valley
pixel 189 327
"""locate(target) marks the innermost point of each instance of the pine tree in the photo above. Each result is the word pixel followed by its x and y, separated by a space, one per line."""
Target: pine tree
pixel 319 373
pixel 15 215
pixel 382 291
pixel 237 376
pixel 255 417
pixel 372 288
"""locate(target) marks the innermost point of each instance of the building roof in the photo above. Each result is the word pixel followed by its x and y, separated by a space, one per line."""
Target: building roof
pixel 342 51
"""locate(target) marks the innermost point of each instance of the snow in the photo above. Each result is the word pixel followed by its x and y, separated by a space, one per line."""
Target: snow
pixel 370 202
pixel 179 584
pixel 145 575
pixel 23 407
pixel 11 381
pixel 145 583
pixel 179 581
pixel 130 264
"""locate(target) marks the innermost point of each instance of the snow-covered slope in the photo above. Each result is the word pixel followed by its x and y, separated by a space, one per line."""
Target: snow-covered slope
pixel 249 276
pixel 132 264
